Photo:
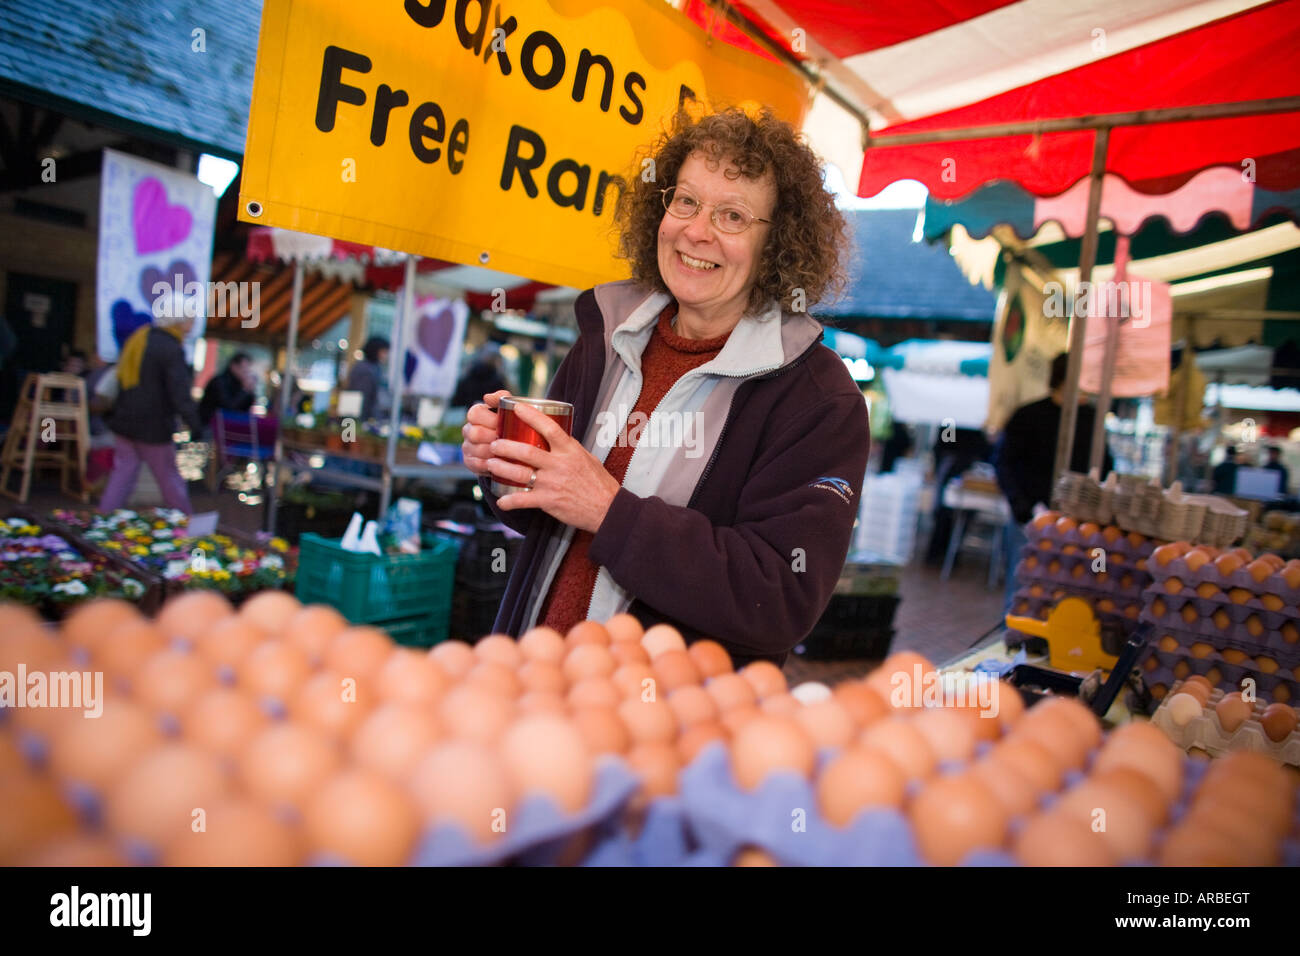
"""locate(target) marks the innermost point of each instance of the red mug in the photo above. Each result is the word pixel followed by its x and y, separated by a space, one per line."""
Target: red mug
pixel 510 426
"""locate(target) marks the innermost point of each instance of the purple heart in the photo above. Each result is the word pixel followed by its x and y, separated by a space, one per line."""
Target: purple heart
pixel 409 366
pixel 126 320
pixel 150 276
pixel 158 225
pixel 434 334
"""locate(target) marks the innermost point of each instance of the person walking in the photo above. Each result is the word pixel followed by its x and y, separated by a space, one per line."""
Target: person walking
pixel 154 390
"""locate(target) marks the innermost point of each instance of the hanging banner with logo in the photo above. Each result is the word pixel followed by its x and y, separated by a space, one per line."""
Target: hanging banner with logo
pixel 155 249
pixel 479 132
pixel 435 341
pixel 1144 308
pixel 1025 340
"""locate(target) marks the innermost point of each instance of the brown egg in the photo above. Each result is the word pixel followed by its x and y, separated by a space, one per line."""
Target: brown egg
pixel 393 738
pixel 542 676
pixel 765 677
pixel 1173 585
pixel 223 720
pixel 271 611
pixel 1083 720
pixel 1261 848
pixel 1207 589
pixel 693 705
pixel 542 702
pixel 1167 553
pixel 1278 722
pixel 660 638
pixel 463 783
pixel 188 615
pixel 85 627
pixel 1245 765
pixel 900 741
pixel 780 705
pixel 359 652
pixel 635 680
pixel 496 678
pixel 1281 693
pixel 33 817
pixel 698 736
pixel 236 832
pixel 587 632
pixel 274 669
pixel 363 818
pixel 588 660
pixel 412 677
pixel 730 691
pixel 1260 570
pixel 768 745
pixel 1233 656
pixel 313 628
pixel 1265 664
pixel 286 763
pixel 456 658
pixel 499 649
pixel 675 670
pixel 827 723
pixel 546 755
pixel 1013 789
pixel 11 758
pixel 474 713
pixel 1196 845
pixel 901 678
pixel 1009 704
pixel 95 752
pixel 948 733
pixel 648 721
pixel 1198 680
pixel 1196 560
pixel 1138 787
pixel 1057 735
pixel 624 629
pixel 711 658
pixel 1271 602
pixel 863 704
pixel 626 652
pixel 155 799
pixel 1112 814
pixel 601 729
pixel 1064 525
pixel 732 720
pixel 1190 614
pixel 542 644
pixel 169 680
pixel 332 703
pixel 657 766
pixel 594 692
pixel 127 647
pixel 75 850
pixel 1228 564
pixel 228 643
pixel 954 815
pixel 1041 521
pixel 1031 759
pixel 1145 748
pixel 856 780
pixel 1232 712
pixel 1059 839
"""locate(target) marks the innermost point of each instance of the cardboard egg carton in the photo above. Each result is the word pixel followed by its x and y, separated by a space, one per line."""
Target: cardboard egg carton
pixel 1272 641
pixel 1166 668
pixel 1206 732
pixel 1134 503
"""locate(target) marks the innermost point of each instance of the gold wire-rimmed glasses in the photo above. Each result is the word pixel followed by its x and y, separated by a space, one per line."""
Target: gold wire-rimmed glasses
pixel 729 217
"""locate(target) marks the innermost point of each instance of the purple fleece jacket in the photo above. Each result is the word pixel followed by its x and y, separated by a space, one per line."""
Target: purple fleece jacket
pixel 753 560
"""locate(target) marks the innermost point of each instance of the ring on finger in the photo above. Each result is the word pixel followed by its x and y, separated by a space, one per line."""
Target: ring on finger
pixel 532 480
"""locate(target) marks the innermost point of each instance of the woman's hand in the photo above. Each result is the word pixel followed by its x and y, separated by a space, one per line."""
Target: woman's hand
pixel 480 431
pixel 571 485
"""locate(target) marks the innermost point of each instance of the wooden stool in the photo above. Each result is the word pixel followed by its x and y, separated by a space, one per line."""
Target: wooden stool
pixel 49 430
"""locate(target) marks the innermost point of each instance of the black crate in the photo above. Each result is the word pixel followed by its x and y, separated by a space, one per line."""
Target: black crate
pixel 865 645
pixel 853 627
pixel 474 611
pixel 293 520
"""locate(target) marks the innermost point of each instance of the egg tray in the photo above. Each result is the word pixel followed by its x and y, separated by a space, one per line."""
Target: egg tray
pixel 1206 732
pixel 538 833
pixel 1238 611
pixel 1230 675
pixel 1121 545
pixel 1204 630
pixel 1085 580
pixel 1241 578
pixel 664 838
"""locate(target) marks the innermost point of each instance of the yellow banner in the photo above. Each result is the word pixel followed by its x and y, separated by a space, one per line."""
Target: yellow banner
pixel 488 132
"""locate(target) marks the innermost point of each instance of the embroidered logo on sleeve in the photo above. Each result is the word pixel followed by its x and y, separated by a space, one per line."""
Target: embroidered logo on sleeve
pixel 837 485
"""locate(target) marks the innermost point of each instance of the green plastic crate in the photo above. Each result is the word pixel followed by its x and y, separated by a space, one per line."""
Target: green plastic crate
pixel 423 631
pixel 368 588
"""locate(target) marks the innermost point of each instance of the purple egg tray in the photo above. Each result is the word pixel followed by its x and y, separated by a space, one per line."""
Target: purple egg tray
pixel 1238 612
pixel 1229 675
pixel 664 838
pixel 1241 578
pixel 1203 630
pixel 1121 546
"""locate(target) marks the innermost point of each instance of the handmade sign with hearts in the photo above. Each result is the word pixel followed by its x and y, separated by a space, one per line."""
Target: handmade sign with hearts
pixel 158 224
pixel 435 332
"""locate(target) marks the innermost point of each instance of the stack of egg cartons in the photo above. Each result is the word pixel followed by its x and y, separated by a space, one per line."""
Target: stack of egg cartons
pixel 1229 616
pixel 888 515
pixel 1104 566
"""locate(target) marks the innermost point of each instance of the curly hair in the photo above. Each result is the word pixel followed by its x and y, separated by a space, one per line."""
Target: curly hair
pixel 808 236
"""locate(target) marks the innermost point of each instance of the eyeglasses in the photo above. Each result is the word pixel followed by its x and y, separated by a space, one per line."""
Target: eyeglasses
pixel 729 217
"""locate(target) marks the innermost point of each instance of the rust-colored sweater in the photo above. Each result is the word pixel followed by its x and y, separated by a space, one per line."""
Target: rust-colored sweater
pixel 667 357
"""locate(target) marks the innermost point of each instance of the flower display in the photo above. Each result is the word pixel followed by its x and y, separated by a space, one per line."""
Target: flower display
pixel 156 539
pixel 45 571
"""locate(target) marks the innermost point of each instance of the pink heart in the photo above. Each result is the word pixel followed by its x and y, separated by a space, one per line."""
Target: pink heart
pixel 157 225
pixel 434 334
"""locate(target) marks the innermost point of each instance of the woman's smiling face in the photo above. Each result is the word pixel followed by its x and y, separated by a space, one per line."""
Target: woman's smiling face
pixel 707 270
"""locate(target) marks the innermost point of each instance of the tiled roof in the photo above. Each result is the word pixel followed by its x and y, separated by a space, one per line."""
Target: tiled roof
pixel 133 60
pixel 892 277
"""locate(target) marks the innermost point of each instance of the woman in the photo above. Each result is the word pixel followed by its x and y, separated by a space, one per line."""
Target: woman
pixel 739 530
pixel 154 389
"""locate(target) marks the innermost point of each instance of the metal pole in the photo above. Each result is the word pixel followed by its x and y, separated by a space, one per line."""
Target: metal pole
pixel 1097 456
pixel 396 365
pixel 286 389
pixel 1079 317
